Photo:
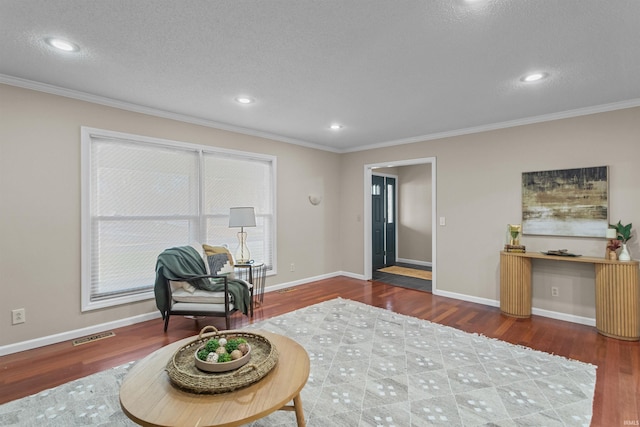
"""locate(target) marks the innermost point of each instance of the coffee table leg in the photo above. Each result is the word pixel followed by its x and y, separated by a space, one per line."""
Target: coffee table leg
pixel 297 404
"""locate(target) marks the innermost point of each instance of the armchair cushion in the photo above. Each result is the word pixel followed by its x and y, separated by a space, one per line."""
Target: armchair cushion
pixel 182 285
pixel 198 309
pixel 199 296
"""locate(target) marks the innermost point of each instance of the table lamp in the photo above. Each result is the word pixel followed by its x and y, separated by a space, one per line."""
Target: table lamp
pixel 242 217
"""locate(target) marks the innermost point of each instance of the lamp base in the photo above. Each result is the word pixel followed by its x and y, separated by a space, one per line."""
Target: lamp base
pixel 242 254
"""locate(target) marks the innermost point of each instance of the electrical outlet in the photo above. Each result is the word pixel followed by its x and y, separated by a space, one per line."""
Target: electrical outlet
pixel 554 292
pixel 18 316
pixel 292 267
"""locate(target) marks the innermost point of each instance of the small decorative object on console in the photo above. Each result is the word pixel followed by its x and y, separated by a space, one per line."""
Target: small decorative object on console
pixel 560 252
pixel 515 248
pixel 612 244
pixel 612 247
pixel 623 233
pixel 514 233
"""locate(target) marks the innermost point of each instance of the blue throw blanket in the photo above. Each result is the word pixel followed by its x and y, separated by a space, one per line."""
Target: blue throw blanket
pixel 184 262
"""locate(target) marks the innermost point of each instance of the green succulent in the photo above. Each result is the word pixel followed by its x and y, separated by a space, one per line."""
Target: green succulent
pixel 233 344
pixel 202 354
pixel 212 345
pixel 226 357
pixel 623 231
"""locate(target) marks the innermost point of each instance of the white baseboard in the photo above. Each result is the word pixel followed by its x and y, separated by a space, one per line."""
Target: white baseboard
pixel 415 262
pixel 537 311
pixel 77 333
pixel 352 275
pixel 468 298
pixel 564 316
pixel 286 285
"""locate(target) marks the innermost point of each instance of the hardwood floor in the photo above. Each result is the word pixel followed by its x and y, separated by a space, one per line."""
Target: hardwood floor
pixel 617 394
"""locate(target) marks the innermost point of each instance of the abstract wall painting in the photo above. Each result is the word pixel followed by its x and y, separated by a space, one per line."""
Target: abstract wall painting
pixel 566 202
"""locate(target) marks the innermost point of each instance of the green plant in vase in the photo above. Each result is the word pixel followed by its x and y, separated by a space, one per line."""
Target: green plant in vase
pixel 623 234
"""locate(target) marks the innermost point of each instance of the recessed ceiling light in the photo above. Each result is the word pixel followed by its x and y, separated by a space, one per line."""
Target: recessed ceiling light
pixel 245 100
pixel 335 126
pixel 63 45
pixel 534 77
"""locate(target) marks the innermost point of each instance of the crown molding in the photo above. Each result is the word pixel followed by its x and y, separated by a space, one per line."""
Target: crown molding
pixel 508 124
pixel 109 102
pixel 122 105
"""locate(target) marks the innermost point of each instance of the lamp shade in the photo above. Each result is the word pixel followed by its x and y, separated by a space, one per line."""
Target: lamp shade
pixel 242 217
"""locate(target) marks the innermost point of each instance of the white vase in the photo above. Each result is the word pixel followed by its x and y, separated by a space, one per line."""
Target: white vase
pixel 624 253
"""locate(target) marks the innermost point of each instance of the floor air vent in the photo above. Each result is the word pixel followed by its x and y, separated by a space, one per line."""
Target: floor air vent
pixel 94 337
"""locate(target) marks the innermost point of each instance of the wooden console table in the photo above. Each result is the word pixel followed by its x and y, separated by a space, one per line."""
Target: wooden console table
pixel 617 291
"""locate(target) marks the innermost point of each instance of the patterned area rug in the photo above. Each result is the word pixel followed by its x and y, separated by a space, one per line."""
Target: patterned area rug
pixel 409 272
pixel 373 367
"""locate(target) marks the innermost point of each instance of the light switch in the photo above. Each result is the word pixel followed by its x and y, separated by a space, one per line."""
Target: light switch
pixel 443 221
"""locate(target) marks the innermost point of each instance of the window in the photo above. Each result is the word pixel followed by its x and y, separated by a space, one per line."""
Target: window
pixel 390 203
pixel 143 195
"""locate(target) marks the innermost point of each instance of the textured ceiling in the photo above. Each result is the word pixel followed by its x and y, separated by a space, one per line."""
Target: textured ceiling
pixel 388 71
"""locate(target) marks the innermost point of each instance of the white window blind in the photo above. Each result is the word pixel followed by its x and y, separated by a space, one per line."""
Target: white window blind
pixel 232 181
pixel 141 196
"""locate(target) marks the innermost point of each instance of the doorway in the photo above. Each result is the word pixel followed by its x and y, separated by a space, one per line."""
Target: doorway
pixel 368 212
pixel 383 221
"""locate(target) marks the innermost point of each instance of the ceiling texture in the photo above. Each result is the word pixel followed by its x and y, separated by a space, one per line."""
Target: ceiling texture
pixel 387 71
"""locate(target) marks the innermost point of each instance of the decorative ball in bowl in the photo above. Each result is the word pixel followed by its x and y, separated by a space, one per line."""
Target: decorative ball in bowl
pixel 222 354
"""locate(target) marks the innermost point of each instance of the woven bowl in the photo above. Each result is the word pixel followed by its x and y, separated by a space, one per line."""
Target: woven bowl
pixel 221 366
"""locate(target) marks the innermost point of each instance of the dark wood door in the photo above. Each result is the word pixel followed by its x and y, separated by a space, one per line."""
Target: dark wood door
pixel 383 221
pixel 377 221
pixel 390 221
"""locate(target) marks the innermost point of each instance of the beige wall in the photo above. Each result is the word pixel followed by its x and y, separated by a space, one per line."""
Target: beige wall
pixel 414 213
pixel 478 191
pixel 414 222
pixel 40 206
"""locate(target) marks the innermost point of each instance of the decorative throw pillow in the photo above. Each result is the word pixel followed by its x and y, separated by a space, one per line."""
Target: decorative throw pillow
pixel 225 267
pixel 212 250
pixel 216 262
pixel 219 265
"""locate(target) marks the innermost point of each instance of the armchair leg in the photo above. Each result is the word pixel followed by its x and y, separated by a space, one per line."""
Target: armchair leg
pixel 166 321
pixel 251 301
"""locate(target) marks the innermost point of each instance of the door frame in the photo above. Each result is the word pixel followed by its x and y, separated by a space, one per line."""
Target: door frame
pixel 368 172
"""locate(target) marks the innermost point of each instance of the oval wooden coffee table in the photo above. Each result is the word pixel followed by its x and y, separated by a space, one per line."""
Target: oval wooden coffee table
pixel 148 398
